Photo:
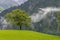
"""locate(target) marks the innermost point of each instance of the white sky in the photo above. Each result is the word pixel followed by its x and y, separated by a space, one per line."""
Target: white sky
pixel 20 1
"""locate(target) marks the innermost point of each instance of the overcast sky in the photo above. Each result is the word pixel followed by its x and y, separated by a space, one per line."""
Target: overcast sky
pixel 9 3
pixel 20 1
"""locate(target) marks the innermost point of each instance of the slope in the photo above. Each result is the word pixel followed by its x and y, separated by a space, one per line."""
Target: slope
pixel 25 35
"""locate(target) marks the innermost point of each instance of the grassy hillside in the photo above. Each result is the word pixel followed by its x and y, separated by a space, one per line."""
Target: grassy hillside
pixel 25 35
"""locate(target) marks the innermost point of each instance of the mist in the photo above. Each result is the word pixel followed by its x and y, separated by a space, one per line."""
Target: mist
pixel 42 12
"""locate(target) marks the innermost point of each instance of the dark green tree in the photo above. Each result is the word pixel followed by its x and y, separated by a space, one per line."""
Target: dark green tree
pixel 18 17
pixel 58 21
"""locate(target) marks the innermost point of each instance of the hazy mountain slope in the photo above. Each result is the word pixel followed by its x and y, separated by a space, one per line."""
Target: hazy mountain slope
pixel 32 6
pixel 45 25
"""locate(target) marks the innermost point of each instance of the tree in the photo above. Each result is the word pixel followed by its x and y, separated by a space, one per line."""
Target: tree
pixel 58 20
pixel 18 17
pixel 1 8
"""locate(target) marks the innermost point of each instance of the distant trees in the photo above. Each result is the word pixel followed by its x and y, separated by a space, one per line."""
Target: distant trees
pixel 1 8
pixel 18 17
pixel 58 20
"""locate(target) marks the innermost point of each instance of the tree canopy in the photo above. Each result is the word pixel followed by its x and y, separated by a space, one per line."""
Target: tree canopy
pixel 58 20
pixel 18 17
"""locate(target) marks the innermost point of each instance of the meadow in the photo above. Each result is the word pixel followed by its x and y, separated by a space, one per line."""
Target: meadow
pixel 25 35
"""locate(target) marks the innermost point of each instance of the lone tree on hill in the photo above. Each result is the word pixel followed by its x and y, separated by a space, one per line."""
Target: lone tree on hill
pixel 18 17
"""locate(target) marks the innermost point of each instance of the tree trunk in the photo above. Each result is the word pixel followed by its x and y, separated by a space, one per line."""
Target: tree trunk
pixel 20 27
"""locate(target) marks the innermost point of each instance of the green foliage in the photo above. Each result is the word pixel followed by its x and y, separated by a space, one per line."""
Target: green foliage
pixel 1 9
pixel 58 16
pixel 58 20
pixel 18 17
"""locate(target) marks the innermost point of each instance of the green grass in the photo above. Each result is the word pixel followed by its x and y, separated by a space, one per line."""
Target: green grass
pixel 25 35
